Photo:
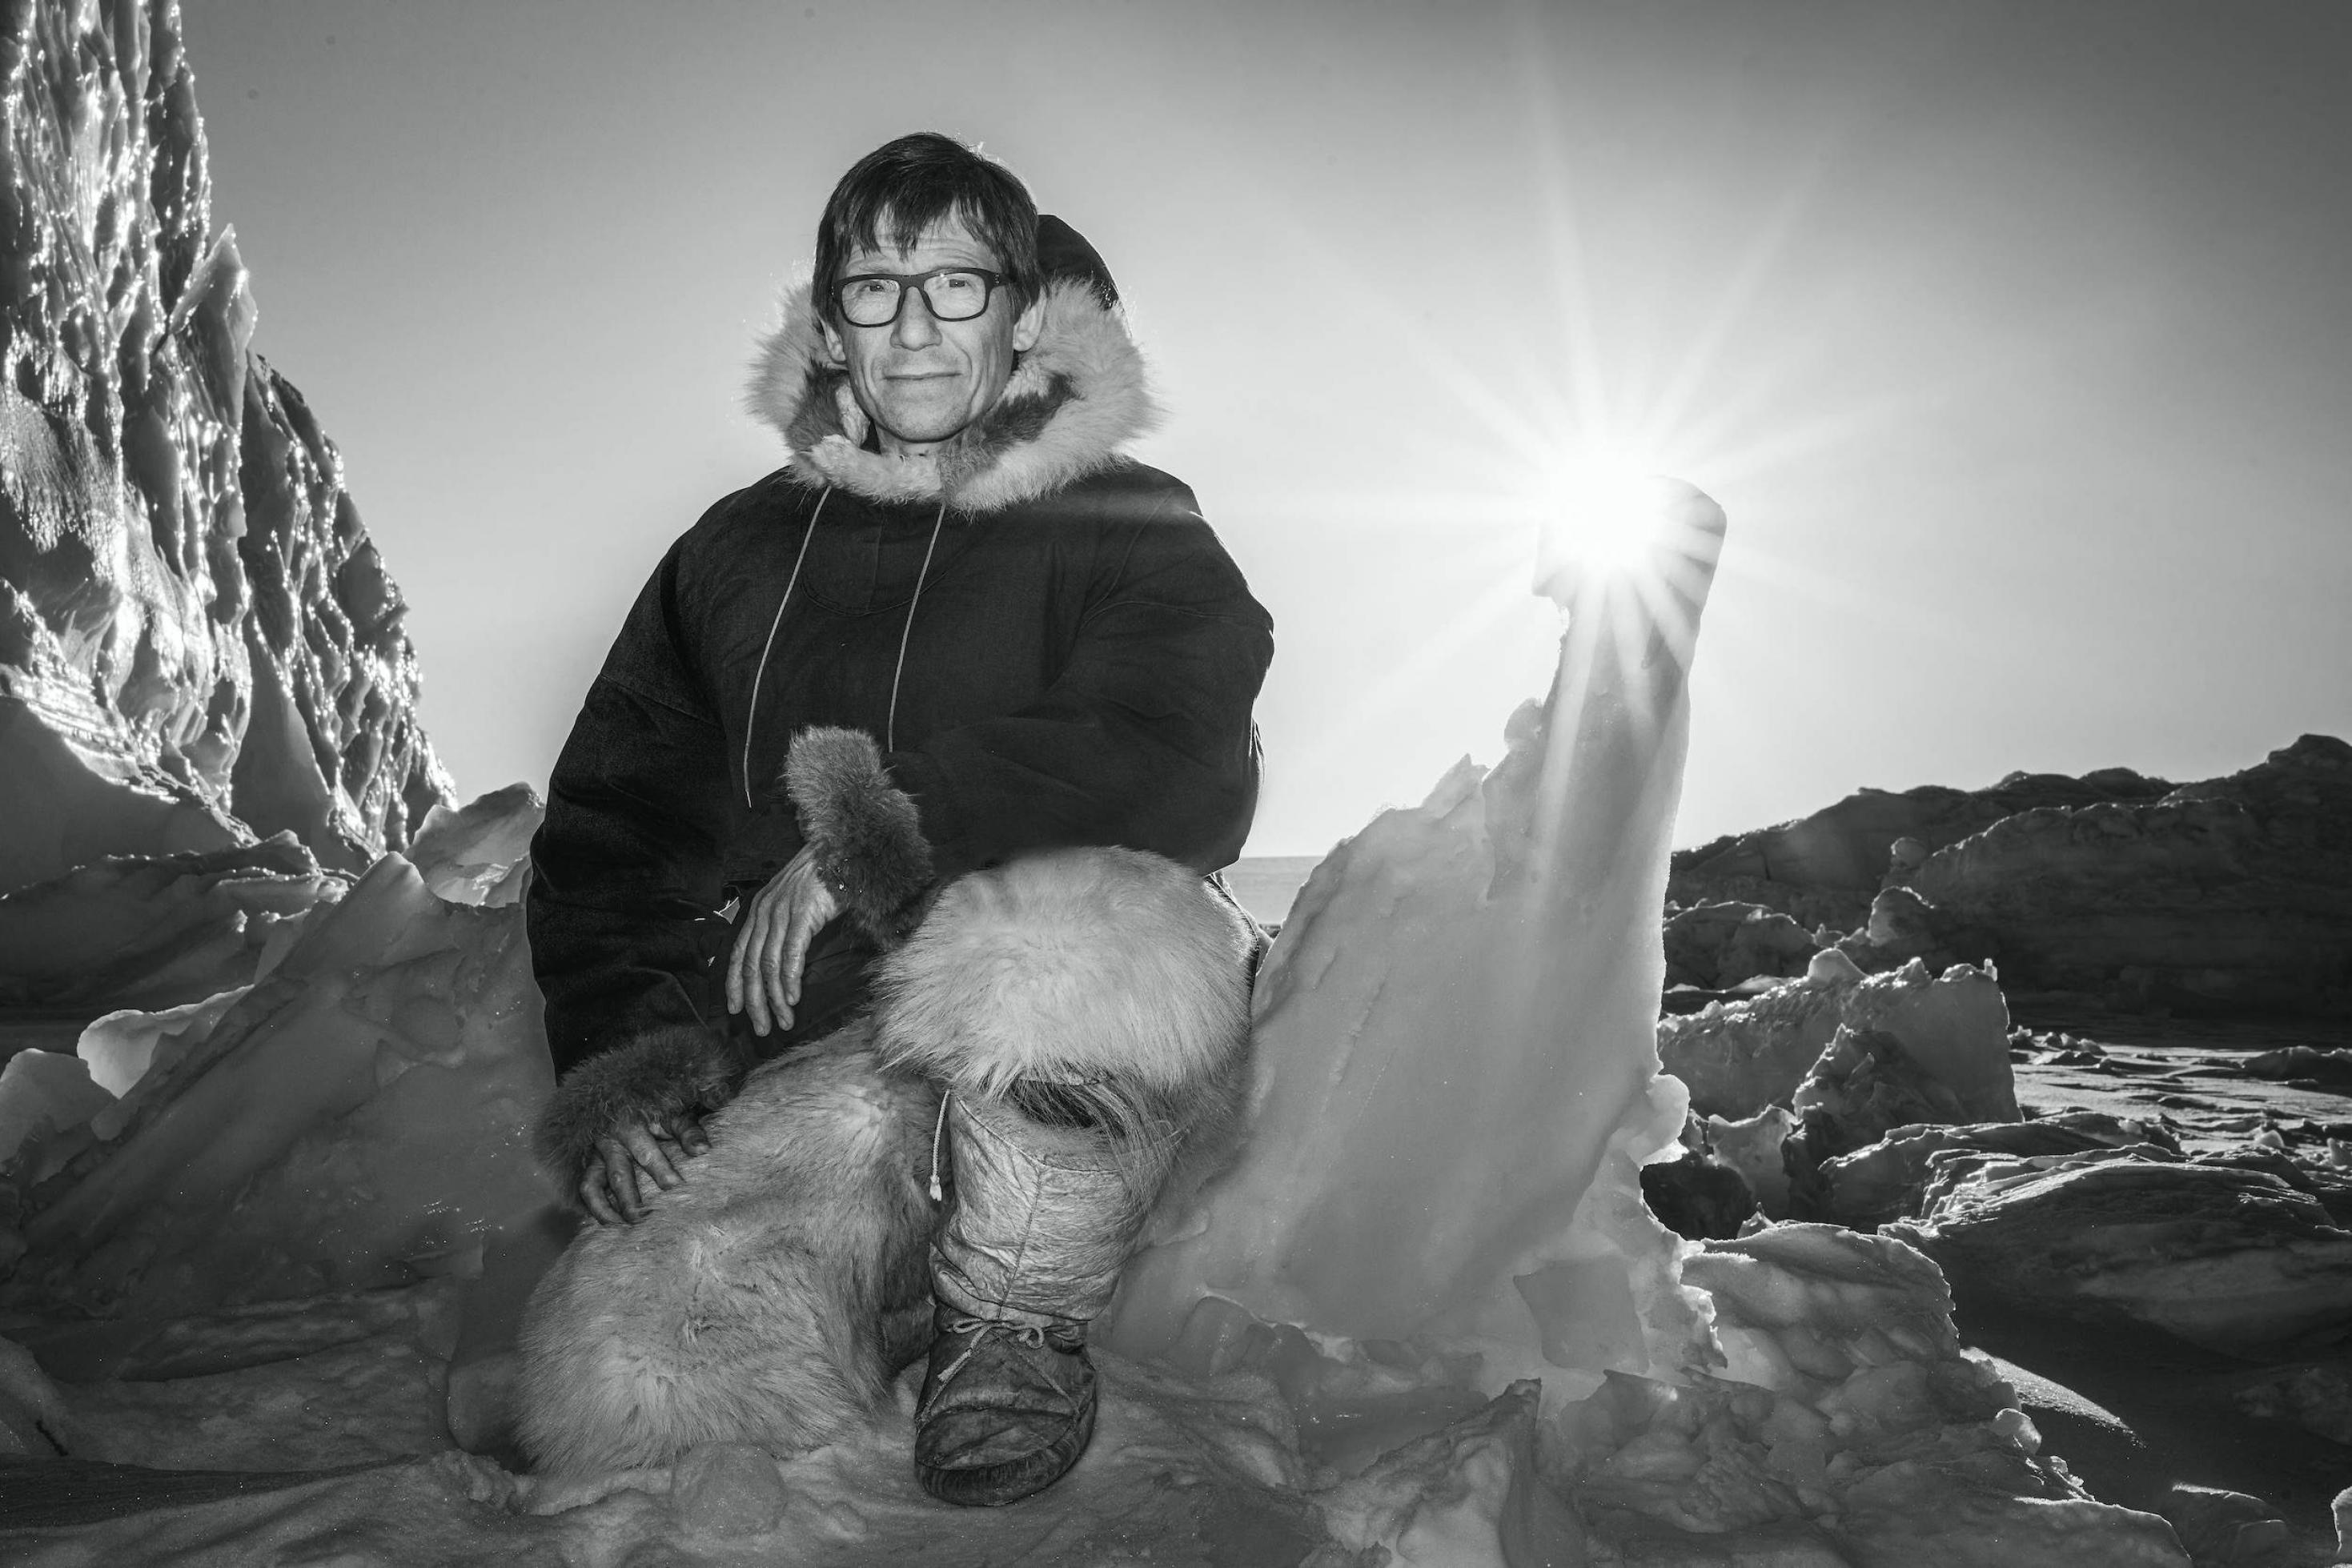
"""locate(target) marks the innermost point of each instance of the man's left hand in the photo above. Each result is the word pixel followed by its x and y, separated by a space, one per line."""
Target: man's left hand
pixel 772 943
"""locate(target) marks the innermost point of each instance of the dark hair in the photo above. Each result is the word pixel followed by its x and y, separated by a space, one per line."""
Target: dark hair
pixel 913 183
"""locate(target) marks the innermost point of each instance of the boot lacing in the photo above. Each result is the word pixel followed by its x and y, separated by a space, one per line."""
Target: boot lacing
pixel 1031 1335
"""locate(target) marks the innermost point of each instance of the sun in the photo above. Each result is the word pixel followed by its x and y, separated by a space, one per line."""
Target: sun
pixel 1607 514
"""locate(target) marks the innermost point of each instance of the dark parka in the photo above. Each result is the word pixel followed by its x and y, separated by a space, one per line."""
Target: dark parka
pixel 1075 665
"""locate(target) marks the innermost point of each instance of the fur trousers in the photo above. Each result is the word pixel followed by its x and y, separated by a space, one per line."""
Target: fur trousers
pixel 1095 994
pixel 768 1299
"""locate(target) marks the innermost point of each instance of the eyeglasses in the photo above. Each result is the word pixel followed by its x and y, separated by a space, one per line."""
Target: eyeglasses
pixel 952 293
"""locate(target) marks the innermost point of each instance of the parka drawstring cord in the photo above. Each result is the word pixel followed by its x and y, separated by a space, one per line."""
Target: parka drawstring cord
pixel 890 725
pixel 897 670
pixel 938 1131
pixel 751 719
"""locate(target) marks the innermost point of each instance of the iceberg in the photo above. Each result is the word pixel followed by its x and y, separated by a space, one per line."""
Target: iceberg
pixel 199 645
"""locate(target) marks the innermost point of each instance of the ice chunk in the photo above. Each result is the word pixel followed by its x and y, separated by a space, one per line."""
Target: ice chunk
pixel 478 854
pixel 1888 1180
pixel 1455 1036
pixel 2220 1526
pixel 1796 1305
pixel 126 932
pixel 361 1118
pixel 1865 1086
pixel 1954 1025
pixel 2329 1067
pixel 1847 1403
pixel 44 1093
pixel 2235 1260
pixel 34 1424
pixel 1469 1496
pixel 1739 1057
pixel 122 1046
pixel 2317 1395
pixel 1752 1147
pixel 1716 947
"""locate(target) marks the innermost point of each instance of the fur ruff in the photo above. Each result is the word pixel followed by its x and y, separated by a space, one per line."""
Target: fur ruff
pixel 1074 400
pixel 767 1301
pixel 866 833
pixel 1111 977
pixel 655 1076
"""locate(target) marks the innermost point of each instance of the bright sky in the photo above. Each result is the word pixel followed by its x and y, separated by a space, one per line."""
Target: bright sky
pixel 2014 338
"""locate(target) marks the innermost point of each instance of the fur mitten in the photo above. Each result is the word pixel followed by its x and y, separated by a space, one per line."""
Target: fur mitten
pixel 866 832
pixel 683 1069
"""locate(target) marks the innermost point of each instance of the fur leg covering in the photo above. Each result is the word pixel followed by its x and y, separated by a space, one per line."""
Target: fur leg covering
pixel 758 1303
pixel 1089 1011
pixel 866 832
pixel 1107 968
pixel 655 1076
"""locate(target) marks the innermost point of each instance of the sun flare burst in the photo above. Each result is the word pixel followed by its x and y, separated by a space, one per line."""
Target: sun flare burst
pixel 1602 511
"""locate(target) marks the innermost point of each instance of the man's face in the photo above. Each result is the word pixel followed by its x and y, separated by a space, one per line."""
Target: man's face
pixel 921 379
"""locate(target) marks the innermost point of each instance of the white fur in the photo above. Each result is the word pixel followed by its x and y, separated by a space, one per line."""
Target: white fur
pixel 1066 967
pixel 766 1301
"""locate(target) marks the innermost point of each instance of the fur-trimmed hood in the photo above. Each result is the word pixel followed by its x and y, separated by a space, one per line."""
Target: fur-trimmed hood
pixel 1074 400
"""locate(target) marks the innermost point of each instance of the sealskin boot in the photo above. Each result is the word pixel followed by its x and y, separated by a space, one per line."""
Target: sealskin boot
pixel 1086 1012
pixel 1007 1409
pixel 1043 1217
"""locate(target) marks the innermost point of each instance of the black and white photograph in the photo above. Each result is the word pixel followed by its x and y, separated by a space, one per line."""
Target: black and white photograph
pixel 1243 783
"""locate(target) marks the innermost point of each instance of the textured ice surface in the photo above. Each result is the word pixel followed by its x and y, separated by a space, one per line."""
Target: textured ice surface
pixel 2237 1261
pixel 1888 1180
pixel 1861 1435
pixel 1739 1057
pixel 198 639
pixel 1751 1146
pixel 1181 1472
pixel 1456 1074
pixel 122 1047
pixel 479 853
pixel 44 1093
pixel 154 932
pixel 360 1118
pixel 1848 1405
pixel 369 1401
pixel 1954 1025
pixel 200 1344
pixel 1471 1494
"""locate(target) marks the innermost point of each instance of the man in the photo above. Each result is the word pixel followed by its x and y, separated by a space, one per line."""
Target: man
pixel 957 630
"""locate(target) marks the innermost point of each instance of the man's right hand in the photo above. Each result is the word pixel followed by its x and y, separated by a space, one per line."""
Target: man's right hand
pixel 772 943
pixel 637 1148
